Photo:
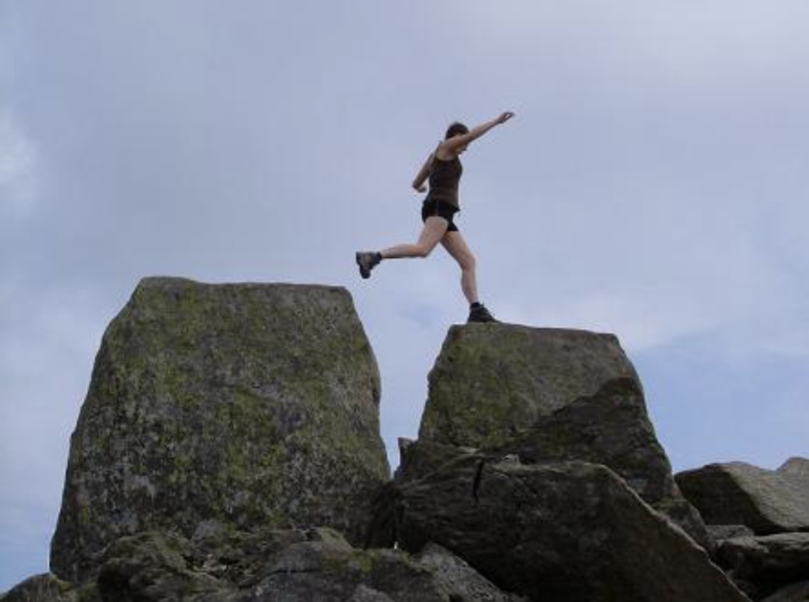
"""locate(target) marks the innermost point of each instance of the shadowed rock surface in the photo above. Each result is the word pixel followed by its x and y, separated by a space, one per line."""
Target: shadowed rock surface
pixel 547 395
pixel 797 592
pixel 559 531
pixel 316 565
pixel 249 404
pixel 768 563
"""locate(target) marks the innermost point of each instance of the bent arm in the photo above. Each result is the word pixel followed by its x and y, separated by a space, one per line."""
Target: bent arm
pixel 456 142
pixel 424 173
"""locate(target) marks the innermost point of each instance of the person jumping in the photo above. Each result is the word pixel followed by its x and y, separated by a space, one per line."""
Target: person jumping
pixel 443 169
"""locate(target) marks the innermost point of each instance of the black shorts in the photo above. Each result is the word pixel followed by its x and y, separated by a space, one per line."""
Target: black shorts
pixel 443 209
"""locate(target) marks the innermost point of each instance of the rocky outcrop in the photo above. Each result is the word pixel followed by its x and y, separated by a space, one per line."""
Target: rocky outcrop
pixel 760 520
pixel 554 531
pixel 549 395
pixel 763 565
pixel 229 451
pixel 737 493
pixel 245 404
pixel 492 381
pixel 546 480
pixel 316 565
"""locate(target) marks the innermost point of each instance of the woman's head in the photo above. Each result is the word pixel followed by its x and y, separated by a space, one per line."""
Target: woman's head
pixel 456 129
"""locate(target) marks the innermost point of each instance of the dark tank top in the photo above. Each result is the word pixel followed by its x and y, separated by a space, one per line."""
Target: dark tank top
pixel 444 179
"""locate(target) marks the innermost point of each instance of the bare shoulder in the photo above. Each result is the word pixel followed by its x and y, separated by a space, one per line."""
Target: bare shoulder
pixel 444 153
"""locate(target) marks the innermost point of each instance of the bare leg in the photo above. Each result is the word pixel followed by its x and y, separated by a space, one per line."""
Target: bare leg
pixel 456 246
pixel 432 233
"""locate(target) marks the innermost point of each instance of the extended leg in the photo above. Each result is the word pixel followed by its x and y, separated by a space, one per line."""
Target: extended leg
pixel 434 229
pixel 456 246
pixel 432 233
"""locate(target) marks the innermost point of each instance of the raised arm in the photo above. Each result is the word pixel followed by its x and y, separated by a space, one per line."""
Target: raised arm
pixel 424 173
pixel 461 141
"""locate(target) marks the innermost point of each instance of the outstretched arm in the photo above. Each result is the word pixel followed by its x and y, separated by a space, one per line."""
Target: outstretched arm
pixel 423 174
pixel 453 144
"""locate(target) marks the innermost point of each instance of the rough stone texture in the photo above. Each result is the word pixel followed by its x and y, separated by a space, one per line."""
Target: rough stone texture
pixel 567 531
pixel 766 563
pixel 152 566
pixel 546 395
pixel 459 578
pixel 797 592
pixel 47 588
pixel 419 458
pixel 722 532
pixel 796 471
pixel 317 565
pixel 612 427
pixel 246 404
pixel 491 381
pixel 741 494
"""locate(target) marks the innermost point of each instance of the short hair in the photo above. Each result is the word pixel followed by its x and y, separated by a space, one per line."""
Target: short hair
pixel 456 129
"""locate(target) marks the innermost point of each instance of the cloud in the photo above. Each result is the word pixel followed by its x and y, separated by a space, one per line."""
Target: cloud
pixel 651 185
pixel 18 185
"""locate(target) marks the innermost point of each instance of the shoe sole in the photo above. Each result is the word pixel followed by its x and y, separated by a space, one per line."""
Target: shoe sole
pixel 364 272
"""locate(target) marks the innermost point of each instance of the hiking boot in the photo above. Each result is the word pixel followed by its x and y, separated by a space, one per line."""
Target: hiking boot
pixel 367 262
pixel 480 314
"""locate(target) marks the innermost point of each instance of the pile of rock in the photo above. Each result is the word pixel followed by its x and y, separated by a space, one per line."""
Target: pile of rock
pixel 537 463
pixel 760 520
pixel 265 565
pixel 229 451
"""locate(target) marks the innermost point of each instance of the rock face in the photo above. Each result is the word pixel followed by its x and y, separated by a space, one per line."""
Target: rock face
pixel 242 404
pixel 737 493
pixel 543 471
pixel 490 382
pixel 767 563
pixel 796 471
pixel 316 565
pixel 551 395
pixel 229 451
pixel 797 592
pixel 556 531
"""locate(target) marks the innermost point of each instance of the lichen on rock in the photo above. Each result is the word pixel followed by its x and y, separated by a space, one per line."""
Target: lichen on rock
pixel 251 404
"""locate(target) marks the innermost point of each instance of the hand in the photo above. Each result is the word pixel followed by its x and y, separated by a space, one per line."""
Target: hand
pixel 421 188
pixel 504 117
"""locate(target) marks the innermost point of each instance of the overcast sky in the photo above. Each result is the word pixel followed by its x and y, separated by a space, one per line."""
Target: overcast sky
pixel 653 184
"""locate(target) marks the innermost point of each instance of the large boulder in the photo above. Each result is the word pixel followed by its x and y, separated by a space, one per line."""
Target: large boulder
pixel 612 427
pixel 547 395
pixel 568 531
pixel 491 381
pixel 246 404
pixel 738 493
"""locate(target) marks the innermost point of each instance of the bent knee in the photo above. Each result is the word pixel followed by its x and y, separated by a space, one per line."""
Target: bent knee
pixel 424 251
